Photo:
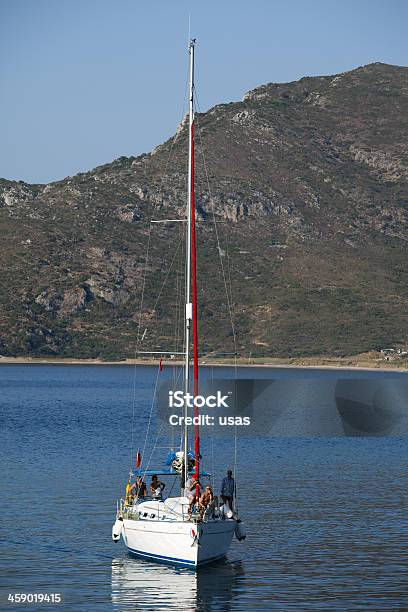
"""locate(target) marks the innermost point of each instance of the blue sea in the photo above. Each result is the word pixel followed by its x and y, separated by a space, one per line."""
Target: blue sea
pixel 322 491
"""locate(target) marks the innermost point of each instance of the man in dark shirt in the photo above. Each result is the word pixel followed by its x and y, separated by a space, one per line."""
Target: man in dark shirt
pixel 141 488
pixel 138 489
pixel 228 489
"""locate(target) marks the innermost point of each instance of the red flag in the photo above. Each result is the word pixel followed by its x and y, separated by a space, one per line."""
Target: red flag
pixel 161 365
pixel 138 459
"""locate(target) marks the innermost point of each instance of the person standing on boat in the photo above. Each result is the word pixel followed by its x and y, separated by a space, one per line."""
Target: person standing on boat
pixel 228 489
pixel 140 487
pixel 156 488
pixel 191 492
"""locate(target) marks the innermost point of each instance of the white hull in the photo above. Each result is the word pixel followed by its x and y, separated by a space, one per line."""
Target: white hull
pixel 179 542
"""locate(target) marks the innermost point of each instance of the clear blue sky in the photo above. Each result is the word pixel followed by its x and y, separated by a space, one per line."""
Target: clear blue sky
pixel 85 81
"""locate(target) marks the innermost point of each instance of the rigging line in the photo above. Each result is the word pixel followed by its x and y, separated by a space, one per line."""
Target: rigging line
pixel 229 274
pixel 229 296
pixel 137 347
pixel 177 377
pixel 235 371
pixel 150 416
pixel 151 455
pixel 229 265
pixel 175 137
pixel 235 453
pixel 138 341
pixel 175 342
pixel 177 371
pixel 178 299
pixel 212 433
pixel 163 285
pixel 153 449
pixel 216 228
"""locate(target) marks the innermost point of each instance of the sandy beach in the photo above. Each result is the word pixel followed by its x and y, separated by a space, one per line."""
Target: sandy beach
pixel 362 362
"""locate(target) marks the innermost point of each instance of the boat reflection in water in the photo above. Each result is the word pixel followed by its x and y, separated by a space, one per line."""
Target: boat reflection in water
pixel 141 585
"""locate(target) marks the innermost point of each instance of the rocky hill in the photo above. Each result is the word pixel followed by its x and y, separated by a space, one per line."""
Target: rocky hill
pixel 309 184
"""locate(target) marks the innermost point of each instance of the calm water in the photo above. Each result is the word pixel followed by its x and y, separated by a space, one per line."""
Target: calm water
pixel 326 516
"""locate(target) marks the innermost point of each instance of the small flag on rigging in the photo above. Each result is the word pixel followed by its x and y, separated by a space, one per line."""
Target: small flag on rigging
pixel 138 459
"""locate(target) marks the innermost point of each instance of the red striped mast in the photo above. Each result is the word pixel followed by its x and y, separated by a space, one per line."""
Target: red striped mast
pixel 191 285
pixel 195 327
pixel 194 274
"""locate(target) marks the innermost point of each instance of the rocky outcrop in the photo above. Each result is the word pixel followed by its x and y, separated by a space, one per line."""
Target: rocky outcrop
pixel 389 164
pixel 65 303
pixel 73 300
pixel 113 295
pixel 128 215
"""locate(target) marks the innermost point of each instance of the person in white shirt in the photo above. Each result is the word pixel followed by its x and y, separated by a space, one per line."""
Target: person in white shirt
pixel 156 488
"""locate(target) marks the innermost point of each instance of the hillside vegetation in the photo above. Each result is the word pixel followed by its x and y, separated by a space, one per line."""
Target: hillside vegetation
pixel 309 186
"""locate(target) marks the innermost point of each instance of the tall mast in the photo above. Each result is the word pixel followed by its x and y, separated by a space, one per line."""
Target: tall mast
pixel 194 295
pixel 191 310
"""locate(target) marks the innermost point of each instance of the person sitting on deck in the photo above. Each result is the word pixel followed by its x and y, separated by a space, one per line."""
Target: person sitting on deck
pixel 156 488
pixel 191 492
pixel 228 489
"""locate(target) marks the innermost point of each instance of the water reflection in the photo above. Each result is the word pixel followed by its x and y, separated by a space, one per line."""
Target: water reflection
pixel 140 585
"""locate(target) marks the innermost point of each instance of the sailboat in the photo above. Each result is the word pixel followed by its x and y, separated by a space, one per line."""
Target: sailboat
pixel 176 530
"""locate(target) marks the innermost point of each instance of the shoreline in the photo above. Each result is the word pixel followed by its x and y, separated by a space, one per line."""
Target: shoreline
pixel 325 363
